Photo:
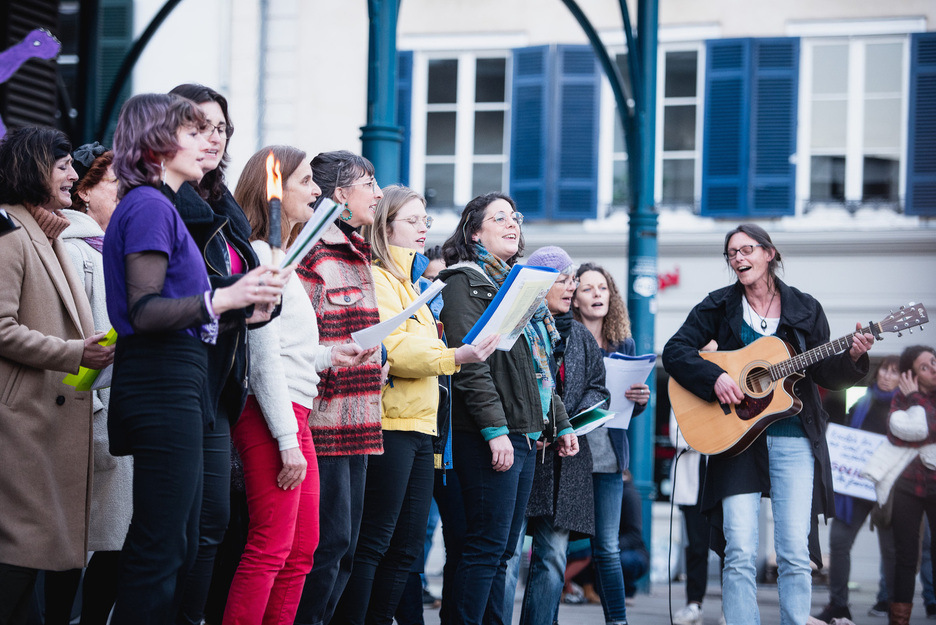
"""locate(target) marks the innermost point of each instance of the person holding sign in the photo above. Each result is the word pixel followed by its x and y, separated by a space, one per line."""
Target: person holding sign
pixel 790 463
pixel 500 407
pixel 398 490
pixel 272 435
pixel 868 414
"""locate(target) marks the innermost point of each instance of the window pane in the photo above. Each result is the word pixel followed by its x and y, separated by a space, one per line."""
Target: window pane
pixel 440 186
pixel 679 126
pixel 621 193
pixel 880 180
pixel 621 61
pixel 443 81
pixel 440 134
pixel 619 144
pixel 882 123
pixel 490 78
pixel 487 177
pixel 830 69
pixel 489 132
pixel 883 68
pixel 827 179
pixel 678 181
pixel 828 124
pixel 680 80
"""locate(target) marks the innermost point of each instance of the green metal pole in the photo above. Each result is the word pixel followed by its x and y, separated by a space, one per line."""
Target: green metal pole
pixel 382 138
pixel 642 258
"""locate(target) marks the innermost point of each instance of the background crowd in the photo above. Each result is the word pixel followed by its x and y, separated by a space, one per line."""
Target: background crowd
pixel 249 463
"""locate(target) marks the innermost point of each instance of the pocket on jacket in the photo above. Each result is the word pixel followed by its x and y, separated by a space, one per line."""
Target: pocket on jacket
pixel 344 296
pixel 12 384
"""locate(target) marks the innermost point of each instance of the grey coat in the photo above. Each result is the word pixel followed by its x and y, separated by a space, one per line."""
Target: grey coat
pixel 562 487
pixel 112 490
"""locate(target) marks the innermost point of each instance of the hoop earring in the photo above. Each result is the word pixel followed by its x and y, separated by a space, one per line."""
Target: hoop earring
pixel 348 210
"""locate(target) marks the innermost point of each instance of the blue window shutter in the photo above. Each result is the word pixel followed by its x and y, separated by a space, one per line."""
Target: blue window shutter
pixel 921 145
pixel 529 125
pixel 575 142
pixel 773 126
pixel 404 93
pixel 726 127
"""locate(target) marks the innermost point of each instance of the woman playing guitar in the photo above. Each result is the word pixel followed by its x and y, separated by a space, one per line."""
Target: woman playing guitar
pixel 791 463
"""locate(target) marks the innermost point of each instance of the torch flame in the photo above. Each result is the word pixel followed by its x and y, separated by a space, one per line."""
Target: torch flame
pixel 274 178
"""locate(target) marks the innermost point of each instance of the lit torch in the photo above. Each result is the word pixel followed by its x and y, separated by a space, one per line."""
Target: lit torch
pixel 274 196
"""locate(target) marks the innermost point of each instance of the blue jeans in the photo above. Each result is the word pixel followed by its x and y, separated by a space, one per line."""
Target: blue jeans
pixel 341 483
pixel 513 570
pixel 791 464
pixel 606 546
pixel 495 503
pixel 547 573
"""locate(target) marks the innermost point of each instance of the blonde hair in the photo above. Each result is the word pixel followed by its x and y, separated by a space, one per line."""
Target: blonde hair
pixel 394 198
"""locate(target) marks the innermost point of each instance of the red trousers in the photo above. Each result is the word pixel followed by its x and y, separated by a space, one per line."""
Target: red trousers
pixel 284 525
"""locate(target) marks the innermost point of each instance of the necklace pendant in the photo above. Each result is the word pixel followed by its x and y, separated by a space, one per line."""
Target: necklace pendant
pixel 763 324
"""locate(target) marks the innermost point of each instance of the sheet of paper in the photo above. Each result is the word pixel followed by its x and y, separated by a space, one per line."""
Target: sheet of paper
pixel 594 425
pixel 513 306
pixel 620 375
pixel 849 451
pixel 311 232
pixel 374 335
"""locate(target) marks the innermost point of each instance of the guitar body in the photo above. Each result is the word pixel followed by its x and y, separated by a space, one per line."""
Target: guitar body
pixel 714 428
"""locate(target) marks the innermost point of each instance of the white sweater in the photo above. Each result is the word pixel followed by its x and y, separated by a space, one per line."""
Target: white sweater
pixel 285 358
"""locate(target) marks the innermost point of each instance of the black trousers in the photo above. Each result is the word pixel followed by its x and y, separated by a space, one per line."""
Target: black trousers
pixel 16 585
pixel 905 523
pixel 397 498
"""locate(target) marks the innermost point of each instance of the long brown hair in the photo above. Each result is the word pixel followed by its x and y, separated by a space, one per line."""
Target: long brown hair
pixel 251 191
pixel 616 325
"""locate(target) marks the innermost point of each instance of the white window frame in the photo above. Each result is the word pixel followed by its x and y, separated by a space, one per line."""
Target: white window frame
pixel 464 108
pixel 661 102
pixel 854 148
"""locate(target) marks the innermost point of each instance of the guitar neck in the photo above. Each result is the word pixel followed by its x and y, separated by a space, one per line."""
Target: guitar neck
pixel 816 354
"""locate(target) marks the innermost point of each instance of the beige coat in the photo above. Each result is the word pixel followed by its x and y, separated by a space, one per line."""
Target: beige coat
pixel 45 426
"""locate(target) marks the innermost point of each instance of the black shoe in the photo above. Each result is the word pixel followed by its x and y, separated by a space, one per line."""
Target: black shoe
pixel 832 611
pixel 879 609
pixel 931 610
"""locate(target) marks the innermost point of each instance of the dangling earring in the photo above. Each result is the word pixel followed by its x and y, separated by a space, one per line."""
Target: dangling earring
pixel 162 172
pixel 346 210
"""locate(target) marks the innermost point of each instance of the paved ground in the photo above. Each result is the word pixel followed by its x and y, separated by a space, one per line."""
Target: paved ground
pixel 653 608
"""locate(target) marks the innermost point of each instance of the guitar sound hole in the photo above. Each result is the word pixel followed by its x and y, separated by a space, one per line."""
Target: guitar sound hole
pixel 757 381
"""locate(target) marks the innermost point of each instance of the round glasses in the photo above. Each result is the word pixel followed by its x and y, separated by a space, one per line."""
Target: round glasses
pixel 500 218
pixel 414 221
pixel 372 183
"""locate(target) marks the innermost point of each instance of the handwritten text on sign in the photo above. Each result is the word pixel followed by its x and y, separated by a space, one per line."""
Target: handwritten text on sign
pixel 849 450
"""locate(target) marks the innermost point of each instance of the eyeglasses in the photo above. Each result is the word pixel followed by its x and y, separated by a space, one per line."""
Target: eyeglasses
pixel 567 280
pixel 414 221
pixel 210 130
pixel 744 250
pixel 372 183
pixel 500 218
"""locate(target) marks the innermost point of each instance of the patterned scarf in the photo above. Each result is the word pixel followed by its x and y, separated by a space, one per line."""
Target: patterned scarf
pixel 497 271
pixel 95 242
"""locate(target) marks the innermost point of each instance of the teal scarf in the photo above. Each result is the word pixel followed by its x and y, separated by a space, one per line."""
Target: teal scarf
pixel 497 270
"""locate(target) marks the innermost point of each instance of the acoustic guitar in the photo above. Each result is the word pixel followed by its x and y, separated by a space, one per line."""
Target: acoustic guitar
pixel 766 371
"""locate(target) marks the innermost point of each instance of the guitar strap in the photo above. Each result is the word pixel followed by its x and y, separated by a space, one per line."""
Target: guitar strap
pixel 800 339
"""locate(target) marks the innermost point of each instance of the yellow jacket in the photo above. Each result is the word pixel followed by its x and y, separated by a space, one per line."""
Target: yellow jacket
pixel 415 352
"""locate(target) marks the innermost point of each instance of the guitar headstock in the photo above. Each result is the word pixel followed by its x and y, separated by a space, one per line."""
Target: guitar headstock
pixel 907 317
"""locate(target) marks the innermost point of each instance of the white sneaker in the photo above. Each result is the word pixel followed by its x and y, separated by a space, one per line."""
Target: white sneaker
pixel 689 615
